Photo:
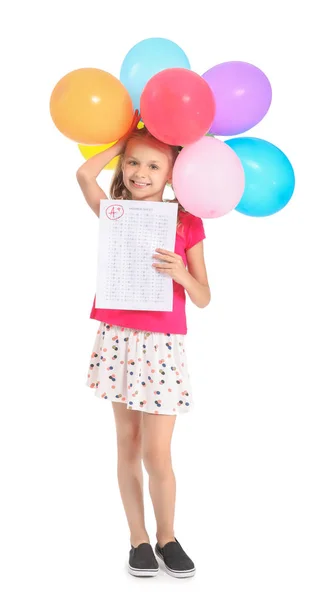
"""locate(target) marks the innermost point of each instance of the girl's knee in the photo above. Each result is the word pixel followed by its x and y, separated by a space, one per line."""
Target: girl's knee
pixel 129 439
pixel 128 429
pixel 157 462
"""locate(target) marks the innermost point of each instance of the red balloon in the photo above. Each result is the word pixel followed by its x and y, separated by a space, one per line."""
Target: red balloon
pixel 177 106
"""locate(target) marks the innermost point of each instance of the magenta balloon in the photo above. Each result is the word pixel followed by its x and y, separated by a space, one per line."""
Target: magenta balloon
pixel 242 94
pixel 208 178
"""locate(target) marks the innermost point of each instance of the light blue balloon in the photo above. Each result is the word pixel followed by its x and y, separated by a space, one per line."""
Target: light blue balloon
pixel 269 176
pixel 147 58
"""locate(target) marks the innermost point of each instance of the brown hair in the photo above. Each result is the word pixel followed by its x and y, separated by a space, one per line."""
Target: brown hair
pixel 118 189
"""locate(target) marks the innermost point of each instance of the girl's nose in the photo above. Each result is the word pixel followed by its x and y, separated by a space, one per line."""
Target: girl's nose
pixel 141 171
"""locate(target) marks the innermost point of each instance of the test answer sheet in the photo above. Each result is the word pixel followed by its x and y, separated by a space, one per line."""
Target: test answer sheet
pixel 129 233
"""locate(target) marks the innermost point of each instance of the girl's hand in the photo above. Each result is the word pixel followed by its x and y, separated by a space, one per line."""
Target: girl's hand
pixel 122 141
pixel 173 265
pixel 134 124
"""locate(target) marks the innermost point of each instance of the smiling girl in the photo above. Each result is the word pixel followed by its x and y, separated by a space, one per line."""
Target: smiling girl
pixel 138 361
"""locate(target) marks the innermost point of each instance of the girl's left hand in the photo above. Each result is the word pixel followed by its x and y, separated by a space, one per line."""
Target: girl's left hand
pixel 173 265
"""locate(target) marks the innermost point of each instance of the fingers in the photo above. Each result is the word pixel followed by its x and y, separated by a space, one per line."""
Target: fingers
pixel 135 120
pixel 167 259
pixel 137 117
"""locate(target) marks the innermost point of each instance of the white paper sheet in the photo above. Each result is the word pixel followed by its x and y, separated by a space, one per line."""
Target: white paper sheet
pixel 129 233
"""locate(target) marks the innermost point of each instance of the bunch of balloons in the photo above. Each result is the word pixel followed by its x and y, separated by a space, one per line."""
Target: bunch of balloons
pixel 180 107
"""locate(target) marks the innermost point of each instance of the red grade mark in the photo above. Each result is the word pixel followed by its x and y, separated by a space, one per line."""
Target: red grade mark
pixel 114 212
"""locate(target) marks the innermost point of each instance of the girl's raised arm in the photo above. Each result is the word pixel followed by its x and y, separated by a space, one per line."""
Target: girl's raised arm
pixel 88 172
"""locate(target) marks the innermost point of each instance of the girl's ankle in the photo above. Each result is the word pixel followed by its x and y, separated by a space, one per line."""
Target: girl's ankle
pixel 164 539
pixel 136 541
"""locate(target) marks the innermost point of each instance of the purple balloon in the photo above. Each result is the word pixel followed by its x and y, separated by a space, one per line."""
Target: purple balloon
pixel 242 94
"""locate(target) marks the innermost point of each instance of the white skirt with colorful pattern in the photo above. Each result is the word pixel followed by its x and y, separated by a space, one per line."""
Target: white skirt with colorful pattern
pixel 145 370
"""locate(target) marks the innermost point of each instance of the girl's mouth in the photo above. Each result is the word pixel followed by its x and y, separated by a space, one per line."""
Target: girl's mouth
pixel 139 185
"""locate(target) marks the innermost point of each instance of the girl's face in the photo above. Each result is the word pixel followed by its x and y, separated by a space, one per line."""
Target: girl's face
pixel 146 170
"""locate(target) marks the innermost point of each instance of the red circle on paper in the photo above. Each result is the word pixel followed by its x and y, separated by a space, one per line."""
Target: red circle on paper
pixel 114 212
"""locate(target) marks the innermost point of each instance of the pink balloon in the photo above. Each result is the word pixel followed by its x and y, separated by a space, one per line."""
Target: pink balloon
pixel 208 178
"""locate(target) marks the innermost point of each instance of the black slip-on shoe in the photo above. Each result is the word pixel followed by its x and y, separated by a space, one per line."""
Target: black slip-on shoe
pixel 174 560
pixel 142 562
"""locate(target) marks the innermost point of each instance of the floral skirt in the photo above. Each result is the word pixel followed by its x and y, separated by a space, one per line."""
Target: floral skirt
pixel 145 370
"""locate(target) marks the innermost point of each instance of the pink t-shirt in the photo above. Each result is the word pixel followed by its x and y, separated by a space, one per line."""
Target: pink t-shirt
pixel 188 233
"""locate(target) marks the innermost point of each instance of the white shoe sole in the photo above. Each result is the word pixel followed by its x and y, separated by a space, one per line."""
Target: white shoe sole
pixel 142 572
pixel 189 573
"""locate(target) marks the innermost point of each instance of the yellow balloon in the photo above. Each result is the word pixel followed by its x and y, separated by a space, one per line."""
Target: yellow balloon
pixel 88 151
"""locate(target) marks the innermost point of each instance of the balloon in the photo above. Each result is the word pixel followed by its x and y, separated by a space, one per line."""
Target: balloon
pixel 269 176
pixel 208 178
pixel 90 106
pixel 177 106
pixel 88 151
pixel 242 94
pixel 147 58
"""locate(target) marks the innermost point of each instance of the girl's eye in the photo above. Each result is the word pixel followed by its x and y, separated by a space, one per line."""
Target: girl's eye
pixel 154 167
pixel 132 162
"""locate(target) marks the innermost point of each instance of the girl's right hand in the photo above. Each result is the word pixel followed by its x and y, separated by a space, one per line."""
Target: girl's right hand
pixel 136 118
pixel 135 122
pixel 93 165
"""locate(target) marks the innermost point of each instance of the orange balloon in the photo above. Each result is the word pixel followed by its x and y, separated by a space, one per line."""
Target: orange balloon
pixel 91 106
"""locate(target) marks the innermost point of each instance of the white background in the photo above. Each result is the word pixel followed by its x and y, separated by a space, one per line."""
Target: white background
pixel 246 460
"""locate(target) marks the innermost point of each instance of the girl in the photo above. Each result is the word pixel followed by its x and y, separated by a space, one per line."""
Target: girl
pixel 138 360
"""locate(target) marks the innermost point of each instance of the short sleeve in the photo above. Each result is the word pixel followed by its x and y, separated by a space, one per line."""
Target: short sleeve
pixel 195 232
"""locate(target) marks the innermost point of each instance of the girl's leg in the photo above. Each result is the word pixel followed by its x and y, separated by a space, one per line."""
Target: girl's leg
pixel 129 469
pixel 157 435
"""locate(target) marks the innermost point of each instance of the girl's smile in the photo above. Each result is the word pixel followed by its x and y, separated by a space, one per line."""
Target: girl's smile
pixel 139 184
